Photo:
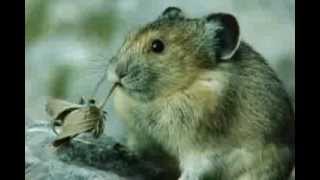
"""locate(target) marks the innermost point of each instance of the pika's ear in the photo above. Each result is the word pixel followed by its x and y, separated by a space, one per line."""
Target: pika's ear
pixel 172 13
pixel 226 34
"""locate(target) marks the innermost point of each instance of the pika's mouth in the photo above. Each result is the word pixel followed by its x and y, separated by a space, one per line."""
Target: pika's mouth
pixel 118 80
pixel 116 77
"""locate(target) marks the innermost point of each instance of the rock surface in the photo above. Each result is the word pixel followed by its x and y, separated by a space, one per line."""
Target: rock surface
pixel 83 158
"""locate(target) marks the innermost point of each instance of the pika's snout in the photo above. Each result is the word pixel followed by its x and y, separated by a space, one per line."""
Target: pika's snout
pixel 121 70
pixel 117 70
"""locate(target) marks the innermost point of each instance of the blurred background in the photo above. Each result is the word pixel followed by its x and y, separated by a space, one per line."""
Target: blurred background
pixel 68 43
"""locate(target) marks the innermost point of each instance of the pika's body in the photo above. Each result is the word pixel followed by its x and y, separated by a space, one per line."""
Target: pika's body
pixel 192 90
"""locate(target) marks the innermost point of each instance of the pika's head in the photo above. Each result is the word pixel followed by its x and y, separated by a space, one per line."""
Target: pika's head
pixel 166 55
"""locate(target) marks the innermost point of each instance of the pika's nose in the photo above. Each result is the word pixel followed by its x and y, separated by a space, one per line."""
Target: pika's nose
pixel 121 70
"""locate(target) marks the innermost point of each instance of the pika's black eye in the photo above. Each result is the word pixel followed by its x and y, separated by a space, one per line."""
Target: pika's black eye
pixel 157 46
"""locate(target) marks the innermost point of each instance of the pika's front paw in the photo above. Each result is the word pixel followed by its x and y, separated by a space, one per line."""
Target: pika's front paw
pixel 124 151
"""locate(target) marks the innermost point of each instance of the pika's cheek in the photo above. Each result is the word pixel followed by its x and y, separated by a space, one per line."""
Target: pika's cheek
pixel 133 81
pixel 135 75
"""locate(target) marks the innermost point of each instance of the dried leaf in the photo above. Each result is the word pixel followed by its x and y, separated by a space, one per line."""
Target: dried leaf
pixel 81 120
pixel 75 119
pixel 56 107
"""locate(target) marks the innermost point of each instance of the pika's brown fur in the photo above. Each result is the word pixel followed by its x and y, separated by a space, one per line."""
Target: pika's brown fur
pixel 206 99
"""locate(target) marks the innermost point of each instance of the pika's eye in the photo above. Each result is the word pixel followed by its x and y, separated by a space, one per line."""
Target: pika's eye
pixel 157 46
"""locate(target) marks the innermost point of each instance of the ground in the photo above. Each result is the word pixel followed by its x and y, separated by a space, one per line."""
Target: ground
pixel 83 158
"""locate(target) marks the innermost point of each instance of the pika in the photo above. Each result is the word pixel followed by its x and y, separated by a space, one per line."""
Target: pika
pixel 192 90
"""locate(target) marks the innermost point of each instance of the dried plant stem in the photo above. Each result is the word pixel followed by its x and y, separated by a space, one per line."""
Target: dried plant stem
pixel 101 80
pixel 110 93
